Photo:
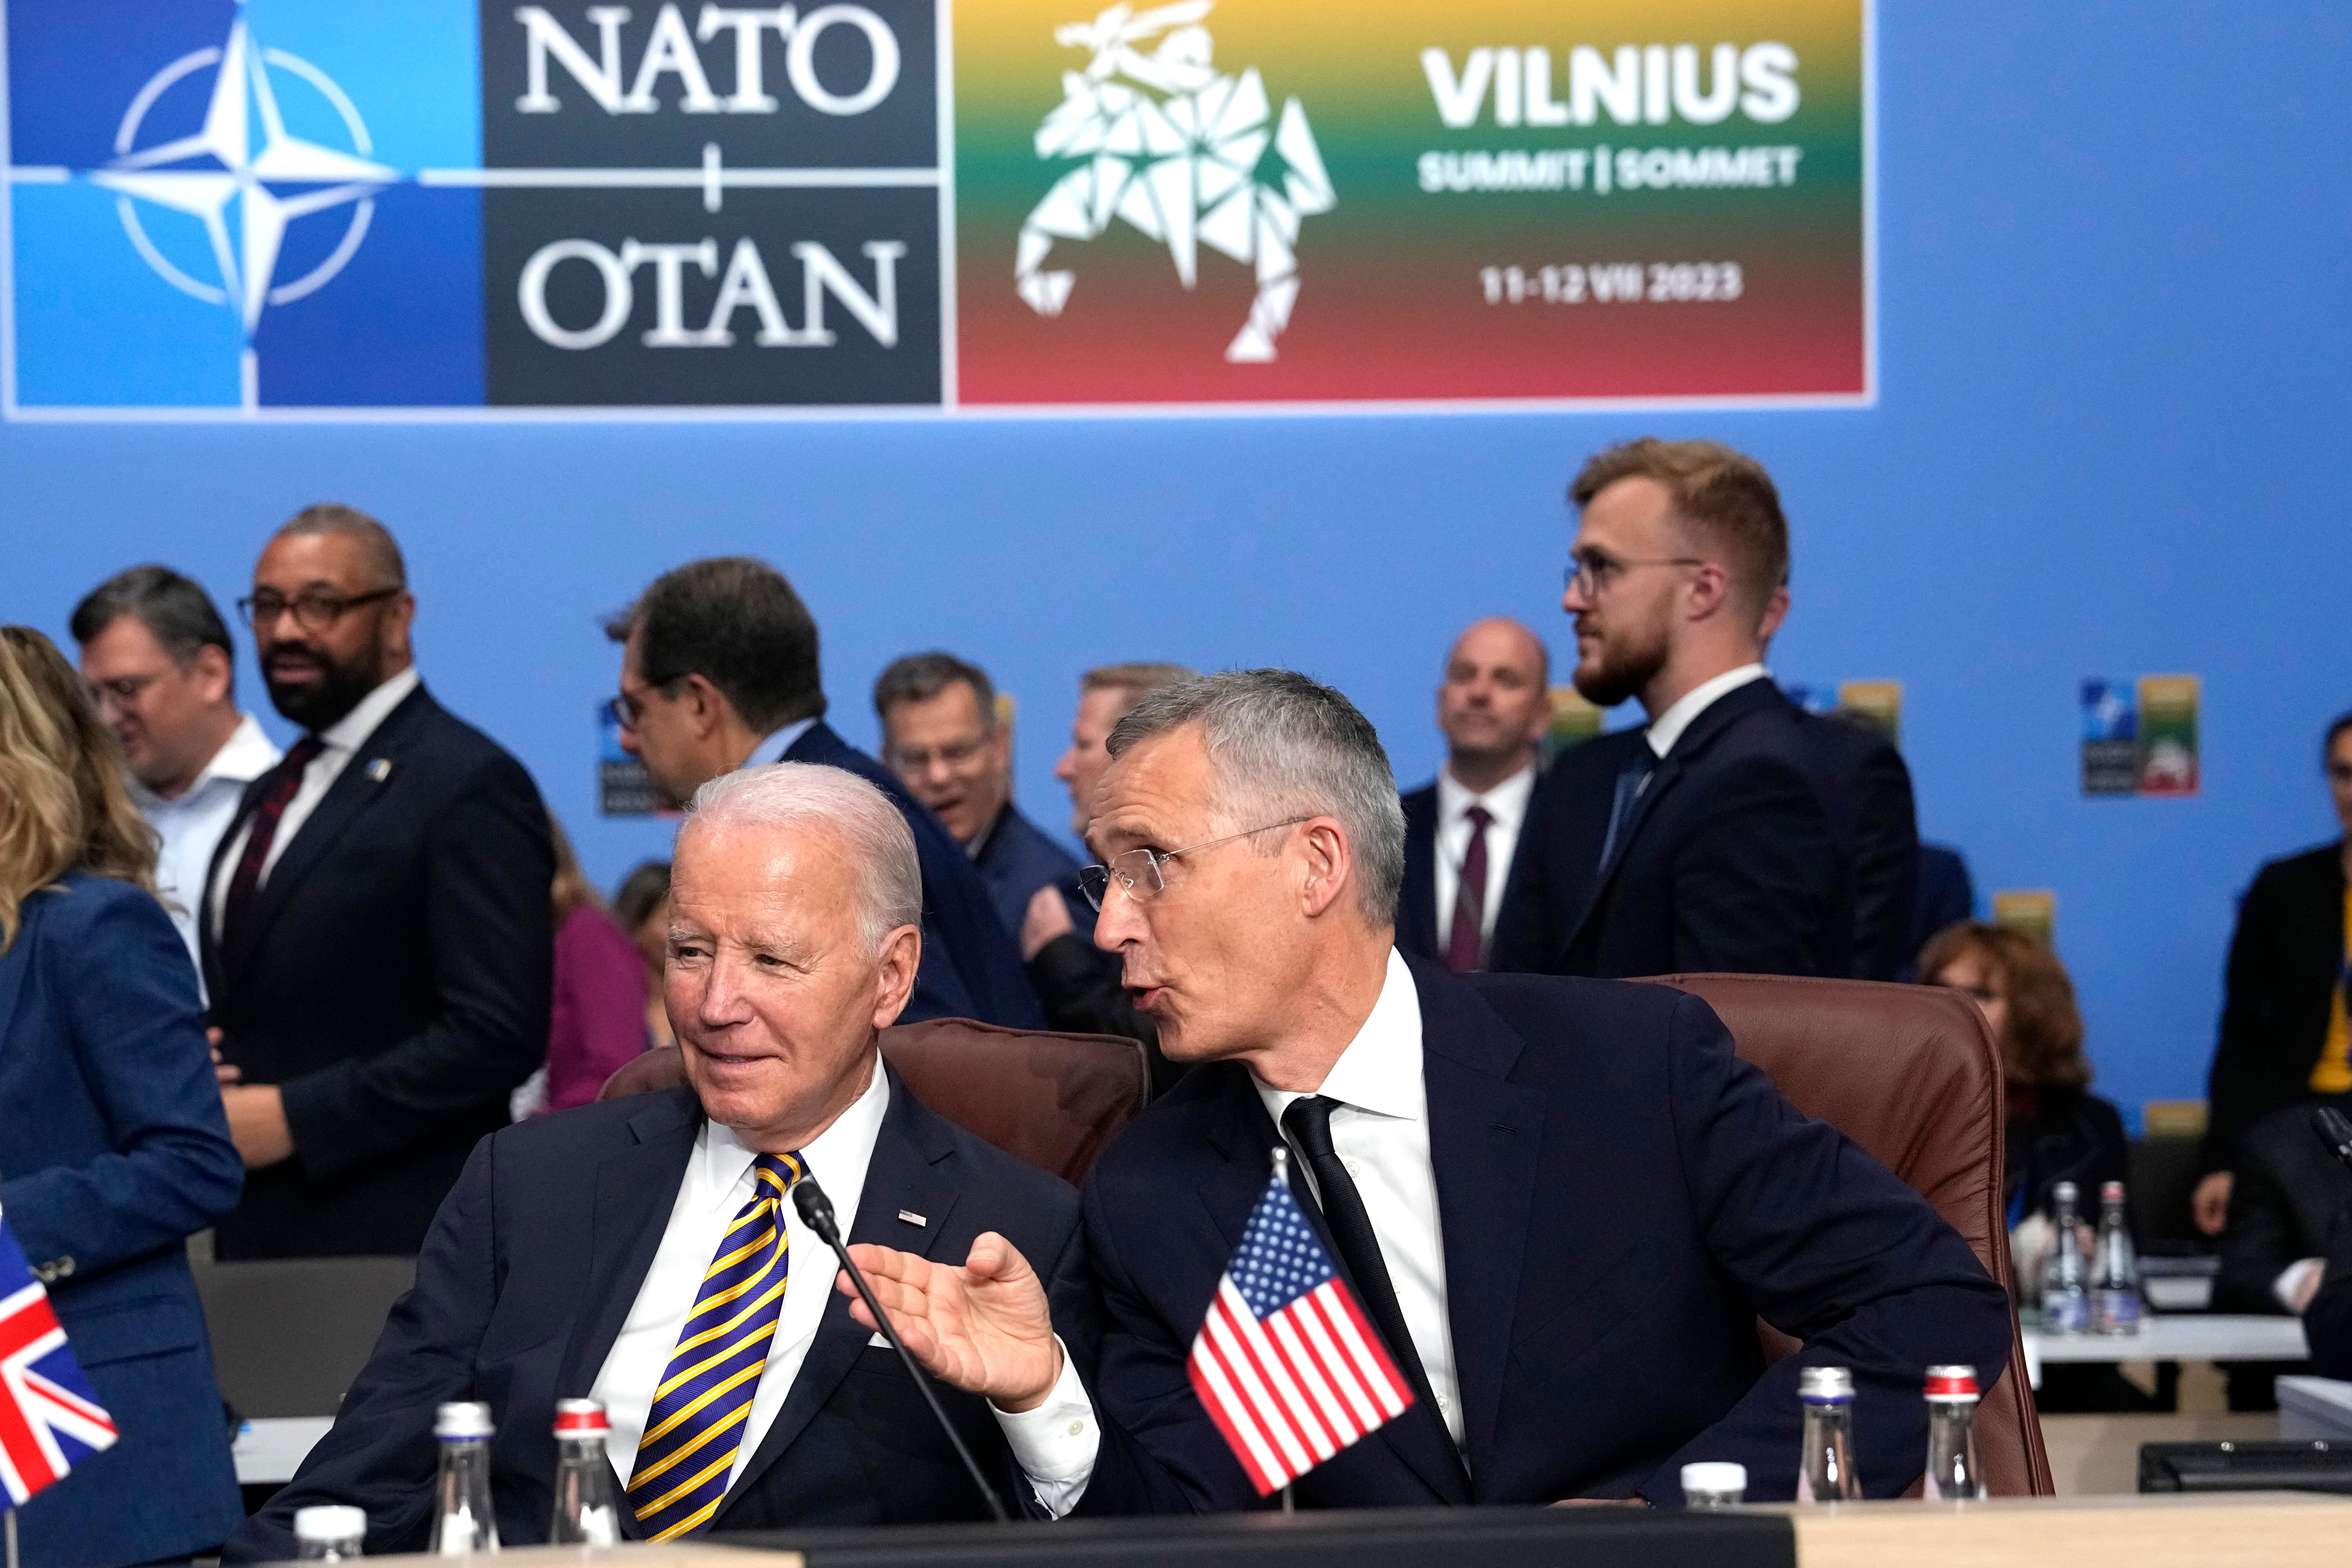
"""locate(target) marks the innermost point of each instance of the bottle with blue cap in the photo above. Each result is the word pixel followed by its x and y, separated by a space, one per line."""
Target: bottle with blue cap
pixel 1825 1471
pixel 463 1521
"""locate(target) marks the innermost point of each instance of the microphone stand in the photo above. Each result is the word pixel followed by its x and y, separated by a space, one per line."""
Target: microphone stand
pixel 816 1213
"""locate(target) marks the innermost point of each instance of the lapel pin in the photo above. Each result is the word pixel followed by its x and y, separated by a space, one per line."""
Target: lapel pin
pixel 380 769
pixel 911 1217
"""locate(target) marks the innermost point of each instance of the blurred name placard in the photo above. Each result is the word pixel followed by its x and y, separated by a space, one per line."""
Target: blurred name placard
pixel 296 208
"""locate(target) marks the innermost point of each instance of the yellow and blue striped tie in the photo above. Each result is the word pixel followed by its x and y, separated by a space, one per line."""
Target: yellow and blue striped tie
pixel 696 1425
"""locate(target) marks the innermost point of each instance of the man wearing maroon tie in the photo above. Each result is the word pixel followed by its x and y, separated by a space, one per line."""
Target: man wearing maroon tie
pixel 1462 830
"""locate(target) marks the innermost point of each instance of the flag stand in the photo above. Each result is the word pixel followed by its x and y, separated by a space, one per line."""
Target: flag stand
pixel 8 1524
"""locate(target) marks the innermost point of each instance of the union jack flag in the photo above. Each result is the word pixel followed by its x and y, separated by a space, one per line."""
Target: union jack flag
pixel 1287 1365
pixel 49 1415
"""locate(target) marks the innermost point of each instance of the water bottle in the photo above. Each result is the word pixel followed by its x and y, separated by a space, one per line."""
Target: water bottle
pixel 463 1520
pixel 2065 1293
pixel 1953 1473
pixel 1714 1483
pixel 329 1532
pixel 584 1513
pixel 2114 1278
pixel 1825 1462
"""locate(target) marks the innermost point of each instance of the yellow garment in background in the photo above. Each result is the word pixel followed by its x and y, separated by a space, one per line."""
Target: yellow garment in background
pixel 2333 1075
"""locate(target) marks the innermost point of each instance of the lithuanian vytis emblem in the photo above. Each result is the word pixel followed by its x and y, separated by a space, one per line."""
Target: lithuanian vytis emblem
pixel 1189 156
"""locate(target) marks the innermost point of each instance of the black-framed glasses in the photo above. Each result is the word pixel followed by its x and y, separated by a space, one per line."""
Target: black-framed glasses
pixel 1593 571
pixel 313 611
pixel 1139 872
pixel 629 707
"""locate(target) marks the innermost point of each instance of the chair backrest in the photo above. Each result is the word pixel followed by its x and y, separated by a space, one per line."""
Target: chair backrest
pixel 2164 1172
pixel 289 1333
pixel 1911 1074
pixel 1051 1100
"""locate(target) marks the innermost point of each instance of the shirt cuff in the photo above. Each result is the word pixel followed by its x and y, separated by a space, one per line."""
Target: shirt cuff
pixel 1056 1443
pixel 2289 1284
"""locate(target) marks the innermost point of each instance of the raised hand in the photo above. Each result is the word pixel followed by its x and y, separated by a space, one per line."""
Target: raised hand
pixel 984 1328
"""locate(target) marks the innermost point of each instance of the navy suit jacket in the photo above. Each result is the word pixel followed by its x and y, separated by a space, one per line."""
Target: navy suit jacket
pixel 530 1271
pixel 1620 1199
pixel 393 980
pixel 1016 860
pixel 972 967
pixel 1416 915
pixel 1767 841
pixel 114 1151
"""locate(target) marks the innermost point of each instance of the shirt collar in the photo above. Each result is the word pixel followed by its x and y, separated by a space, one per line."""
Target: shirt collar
pixel 1668 727
pixel 773 748
pixel 1380 1070
pixel 244 757
pixel 980 841
pixel 1506 803
pixel 837 1157
pixel 350 732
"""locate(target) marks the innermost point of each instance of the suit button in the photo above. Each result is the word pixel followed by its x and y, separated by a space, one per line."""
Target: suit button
pixel 65 1266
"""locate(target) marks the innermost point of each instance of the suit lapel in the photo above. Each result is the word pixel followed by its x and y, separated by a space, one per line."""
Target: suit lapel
pixel 1417 900
pixel 912 1169
pixel 363 781
pixel 1486 1138
pixel 635 1190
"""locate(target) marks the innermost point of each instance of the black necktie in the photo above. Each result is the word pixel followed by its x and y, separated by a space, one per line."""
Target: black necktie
pixel 1308 1122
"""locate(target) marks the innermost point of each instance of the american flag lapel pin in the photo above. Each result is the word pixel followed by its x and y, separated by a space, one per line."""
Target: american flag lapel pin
pixel 911 1217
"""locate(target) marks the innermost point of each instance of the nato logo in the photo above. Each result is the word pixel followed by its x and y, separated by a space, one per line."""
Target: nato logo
pixel 298 206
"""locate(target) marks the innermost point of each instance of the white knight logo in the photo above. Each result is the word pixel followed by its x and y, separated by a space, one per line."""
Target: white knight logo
pixel 1176 150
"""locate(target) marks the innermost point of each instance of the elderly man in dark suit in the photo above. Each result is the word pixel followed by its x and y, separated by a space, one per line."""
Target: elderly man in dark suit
pixel 377 932
pixel 1734 832
pixel 1563 1203
pixel 720 672
pixel 576 1257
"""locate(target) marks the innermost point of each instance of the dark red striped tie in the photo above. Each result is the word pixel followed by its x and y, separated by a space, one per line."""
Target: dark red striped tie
pixel 1463 944
pixel 285 783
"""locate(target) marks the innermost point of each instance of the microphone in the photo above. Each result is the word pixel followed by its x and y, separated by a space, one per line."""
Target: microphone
pixel 2334 1130
pixel 816 1213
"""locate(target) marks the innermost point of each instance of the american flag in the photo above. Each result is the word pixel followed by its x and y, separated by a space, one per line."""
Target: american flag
pixel 49 1415
pixel 1287 1365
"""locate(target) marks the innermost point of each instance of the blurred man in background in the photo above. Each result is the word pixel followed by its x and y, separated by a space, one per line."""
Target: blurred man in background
pixel 378 932
pixel 942 736
pixel 1461 830
pixel 1734 832
pixel 158 660
pixel 1078 981
pixel 720 672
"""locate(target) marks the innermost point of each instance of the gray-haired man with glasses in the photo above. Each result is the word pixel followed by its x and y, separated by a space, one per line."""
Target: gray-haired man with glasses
pixel 1564 1203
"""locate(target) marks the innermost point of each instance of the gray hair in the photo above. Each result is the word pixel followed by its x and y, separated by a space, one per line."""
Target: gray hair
pixel 1284 745
pixel 873 834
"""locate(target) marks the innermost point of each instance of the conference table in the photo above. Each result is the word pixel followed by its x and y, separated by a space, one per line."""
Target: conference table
pixel 2184 1336
pixel 2256 1530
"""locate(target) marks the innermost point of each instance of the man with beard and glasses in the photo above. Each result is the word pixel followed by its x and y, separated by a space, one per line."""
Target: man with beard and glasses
pixel 1734 832
pixel 377 930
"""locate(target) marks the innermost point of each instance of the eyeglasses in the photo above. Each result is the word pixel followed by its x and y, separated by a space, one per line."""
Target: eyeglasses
pixel 1139 872
pixel 313 612
pixel 1593 571
pixel 122 691
pixel 916 759
pixel 629 707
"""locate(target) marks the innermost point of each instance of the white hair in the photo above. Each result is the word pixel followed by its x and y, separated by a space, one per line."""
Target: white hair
pixel 872 832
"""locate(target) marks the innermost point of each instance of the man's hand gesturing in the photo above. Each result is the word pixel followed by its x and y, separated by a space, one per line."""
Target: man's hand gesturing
pixel 984 1328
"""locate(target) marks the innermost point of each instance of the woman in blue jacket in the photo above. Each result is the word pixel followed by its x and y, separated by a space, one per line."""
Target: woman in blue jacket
pixel 113 1149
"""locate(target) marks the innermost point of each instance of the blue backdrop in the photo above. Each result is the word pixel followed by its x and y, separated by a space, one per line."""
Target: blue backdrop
pixel 2112 264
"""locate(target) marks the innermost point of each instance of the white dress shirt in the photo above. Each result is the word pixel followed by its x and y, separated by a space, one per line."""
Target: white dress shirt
pixel 1054 1444
pixel 340 742
pixel 1506 803
pixel 1381 1131
pixel 191 824
pixel 1668 727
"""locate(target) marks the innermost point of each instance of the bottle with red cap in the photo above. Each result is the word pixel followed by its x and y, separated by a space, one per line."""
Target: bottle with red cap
pixel 2115 1275
pixel 1952 1471
pixel 584 1512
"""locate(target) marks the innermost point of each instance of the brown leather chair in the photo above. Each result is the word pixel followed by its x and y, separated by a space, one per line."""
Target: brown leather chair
pixel 1055 1102
pixel 1910 1073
